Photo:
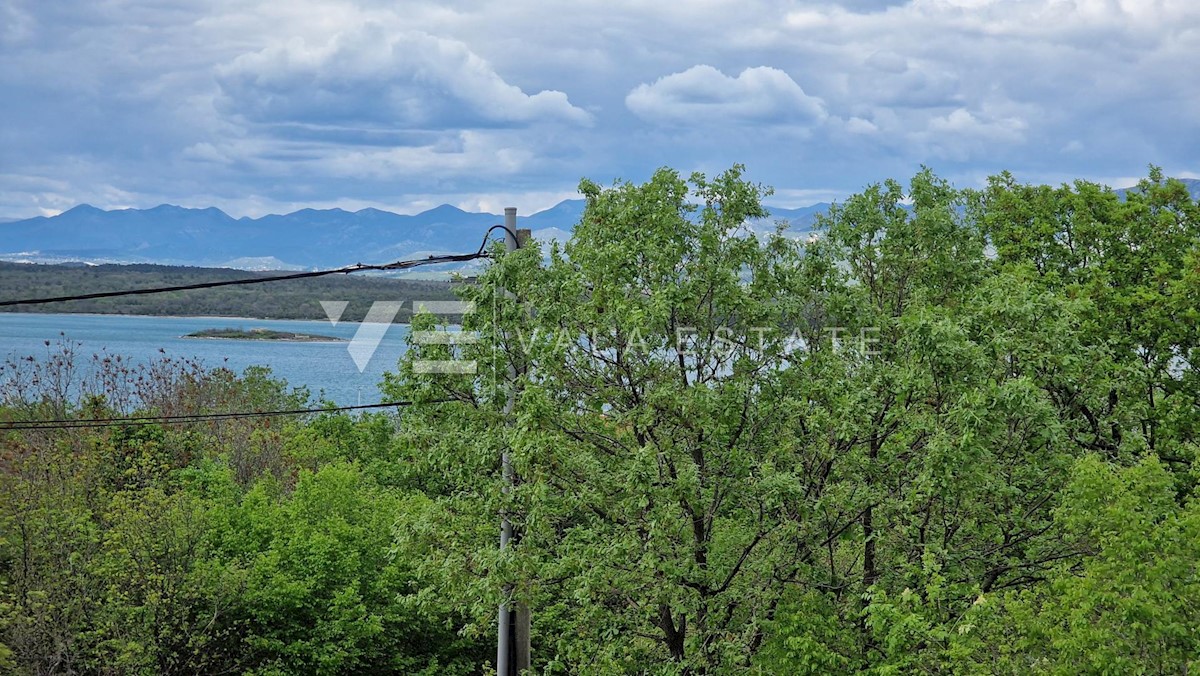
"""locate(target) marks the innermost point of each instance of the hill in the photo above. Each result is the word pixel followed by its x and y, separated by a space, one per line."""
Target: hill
pixel 293 299
pixel 309 238
pixel 304 239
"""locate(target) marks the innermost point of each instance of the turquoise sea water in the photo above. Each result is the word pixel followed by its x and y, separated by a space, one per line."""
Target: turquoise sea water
pixel 325 368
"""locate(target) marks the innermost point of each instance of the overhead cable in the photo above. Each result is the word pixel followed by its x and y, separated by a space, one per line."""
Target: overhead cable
pixel 141 420
pixel 357 267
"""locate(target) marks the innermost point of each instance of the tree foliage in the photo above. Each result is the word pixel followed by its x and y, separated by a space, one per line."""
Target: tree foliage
pixel 736 450
pixel 952 432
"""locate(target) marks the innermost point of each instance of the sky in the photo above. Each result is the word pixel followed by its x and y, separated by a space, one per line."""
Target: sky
pixel 268 106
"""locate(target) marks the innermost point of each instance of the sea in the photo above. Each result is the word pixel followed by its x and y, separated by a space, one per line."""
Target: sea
pixel 325 368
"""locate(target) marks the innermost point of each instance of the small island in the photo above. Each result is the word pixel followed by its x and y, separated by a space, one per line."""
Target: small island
pixel 263 334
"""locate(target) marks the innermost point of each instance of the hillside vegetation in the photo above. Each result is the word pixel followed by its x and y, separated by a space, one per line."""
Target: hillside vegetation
pixel 955 434
pixel 293 299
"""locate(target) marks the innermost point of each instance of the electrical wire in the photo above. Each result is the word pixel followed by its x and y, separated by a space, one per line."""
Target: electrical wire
pixel 399 265
pixel 358 267
pixel 76 423
pixel 505 228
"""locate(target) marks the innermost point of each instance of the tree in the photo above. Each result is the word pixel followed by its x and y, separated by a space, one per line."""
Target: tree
pixel 658 491
pixel 206 547
pixel 325 593
pixel 713 428
pixel 945 442
pixel 1128 607
pixel 1134 258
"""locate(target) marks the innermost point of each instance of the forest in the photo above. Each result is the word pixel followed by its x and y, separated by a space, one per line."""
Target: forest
pixel 954 432
pixel 292 299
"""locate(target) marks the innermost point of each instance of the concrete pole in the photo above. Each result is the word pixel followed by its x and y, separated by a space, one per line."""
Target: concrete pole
pixel 504 643
pixel 522 655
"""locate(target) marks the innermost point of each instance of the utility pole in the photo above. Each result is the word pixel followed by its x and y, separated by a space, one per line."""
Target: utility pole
pixel 512 635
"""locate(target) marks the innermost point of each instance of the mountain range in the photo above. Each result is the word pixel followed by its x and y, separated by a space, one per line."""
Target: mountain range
pixel 309 238
pixel 305 239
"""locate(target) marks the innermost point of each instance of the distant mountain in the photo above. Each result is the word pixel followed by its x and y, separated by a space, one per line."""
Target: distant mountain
pixel 799 220
pixel 309 238
pixel 1193 186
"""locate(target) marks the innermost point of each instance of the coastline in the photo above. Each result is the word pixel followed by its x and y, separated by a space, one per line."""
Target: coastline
pixel 320 341
pixel 262 336
pixel 221 317
pixel 145 340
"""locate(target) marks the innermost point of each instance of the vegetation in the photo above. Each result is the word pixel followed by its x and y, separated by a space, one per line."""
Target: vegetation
pixel 956 433
pixel 295 299
pixel 261 334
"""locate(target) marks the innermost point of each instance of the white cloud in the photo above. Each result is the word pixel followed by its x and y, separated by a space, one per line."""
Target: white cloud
pixel 257 102
pixel 704 94
pixel 803 197
pixel 962 123
pixel 487 155
pixel 961 134
pixel 857 125
pixel 378 78
pixel 472 151
pixel 527 203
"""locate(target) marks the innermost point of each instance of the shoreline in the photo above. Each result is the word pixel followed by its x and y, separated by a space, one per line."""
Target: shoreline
pixel 265 335
pixel 318 341
pixel 223 317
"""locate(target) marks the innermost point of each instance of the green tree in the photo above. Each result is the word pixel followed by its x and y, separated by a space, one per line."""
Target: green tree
pixel 324 591
pixel 1129 606
pixel 1133 257
pixel 945 443
pixel 657 493
pixel 699 454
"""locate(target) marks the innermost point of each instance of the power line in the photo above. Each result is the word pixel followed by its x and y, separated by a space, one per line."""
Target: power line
pixel 508 231
pixel 399 265
pixel 75 423
pixel 358 267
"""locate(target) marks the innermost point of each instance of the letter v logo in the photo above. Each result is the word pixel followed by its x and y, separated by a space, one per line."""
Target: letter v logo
pixel 371 331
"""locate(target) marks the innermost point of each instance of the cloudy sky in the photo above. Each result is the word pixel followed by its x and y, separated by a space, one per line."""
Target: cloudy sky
pixel 259 106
